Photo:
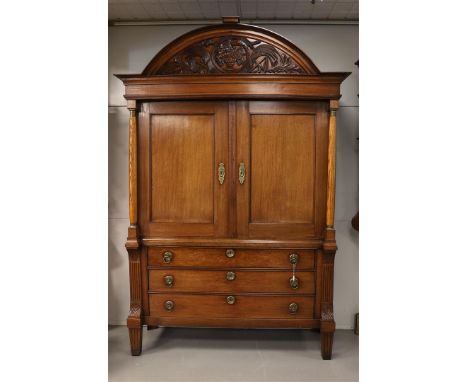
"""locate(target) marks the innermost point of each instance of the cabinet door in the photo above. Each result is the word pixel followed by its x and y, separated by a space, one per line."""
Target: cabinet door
pixel 182 145
pixel 283 146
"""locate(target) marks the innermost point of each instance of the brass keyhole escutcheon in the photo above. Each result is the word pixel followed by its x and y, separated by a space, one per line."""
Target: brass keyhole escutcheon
pixel 231 276
pixel 169 280
pixel 293 307
pixel 293 258
pixel 230 253
pixel 169 305
pixel 221 173
pixel 294 282
pixel 242 173
pixel 230 300
pixel 167 257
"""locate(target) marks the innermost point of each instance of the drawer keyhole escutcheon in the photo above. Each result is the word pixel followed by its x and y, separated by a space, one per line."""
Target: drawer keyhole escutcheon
pixel 169 305
pixel 294 282
pixel 167 257
pixel 231 276
pixel 230 300
pixel 293 307
pixel 169 280
pixel 230 253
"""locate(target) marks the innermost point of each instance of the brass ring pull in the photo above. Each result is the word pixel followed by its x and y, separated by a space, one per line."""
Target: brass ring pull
pixel 221 173
pixel 169 305
pixel 293 307
pixel 230 253
pixel 294 282
pixel 230 300
pixel 230 276
pixel 167 257
pixel 169 280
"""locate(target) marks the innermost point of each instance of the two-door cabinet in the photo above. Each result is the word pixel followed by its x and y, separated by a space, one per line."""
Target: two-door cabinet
pixel 231 185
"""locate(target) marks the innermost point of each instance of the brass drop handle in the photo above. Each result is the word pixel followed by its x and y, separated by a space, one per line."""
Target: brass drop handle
pixel 230 276
pixel 242 173
pixel 167 257
pixel 293 308
pixel 221 173
pixel 230 300
pixel 169 280
pixel 294 282
pixel 169 305
pixel 230 253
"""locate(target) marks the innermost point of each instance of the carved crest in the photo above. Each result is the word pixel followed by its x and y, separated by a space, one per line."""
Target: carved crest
pixel 231 54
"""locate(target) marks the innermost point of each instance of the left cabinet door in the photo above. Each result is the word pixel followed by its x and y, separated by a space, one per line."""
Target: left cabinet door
pixel 182 146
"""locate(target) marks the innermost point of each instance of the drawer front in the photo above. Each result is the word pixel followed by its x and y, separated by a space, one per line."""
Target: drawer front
pixel 217 306
pixel 235 258
pixel 168 280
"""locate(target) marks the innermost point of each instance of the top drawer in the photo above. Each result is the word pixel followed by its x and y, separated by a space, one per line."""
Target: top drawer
pixel 230 257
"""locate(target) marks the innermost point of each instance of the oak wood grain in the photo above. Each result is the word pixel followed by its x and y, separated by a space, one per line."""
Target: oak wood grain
pixel 244 281
pixel 243 258
pixel 231 93
pixel 186 305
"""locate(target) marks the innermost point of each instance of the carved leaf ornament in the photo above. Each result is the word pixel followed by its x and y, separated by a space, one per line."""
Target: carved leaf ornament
pixel 231 54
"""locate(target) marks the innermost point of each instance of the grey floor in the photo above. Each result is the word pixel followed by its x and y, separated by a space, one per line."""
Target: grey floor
pixel 231 355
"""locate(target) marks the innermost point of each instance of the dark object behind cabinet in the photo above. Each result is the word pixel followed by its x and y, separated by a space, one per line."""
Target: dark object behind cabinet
pixel 232 182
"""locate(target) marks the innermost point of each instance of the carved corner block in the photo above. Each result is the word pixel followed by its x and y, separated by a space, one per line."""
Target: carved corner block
pixel 329 242
pixel 134 317
pixel 133 238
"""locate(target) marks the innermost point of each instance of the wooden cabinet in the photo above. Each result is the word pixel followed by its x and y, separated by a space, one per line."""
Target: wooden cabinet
pixel 231 185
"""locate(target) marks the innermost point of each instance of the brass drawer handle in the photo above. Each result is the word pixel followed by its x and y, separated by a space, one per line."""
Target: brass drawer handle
pixel 221 173
pixel 230 300
pixel 167 257
pixel 294 282
pixel 293 307
pixel 293 258
pixel 230 253
pixel 169 280
pixel 242 173
pixel 231 276
pixel 169 305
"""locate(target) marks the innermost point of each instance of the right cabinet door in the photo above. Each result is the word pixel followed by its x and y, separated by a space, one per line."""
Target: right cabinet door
pixel 282 164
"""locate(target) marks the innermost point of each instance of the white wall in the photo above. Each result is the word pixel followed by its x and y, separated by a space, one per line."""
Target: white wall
pixel 331 48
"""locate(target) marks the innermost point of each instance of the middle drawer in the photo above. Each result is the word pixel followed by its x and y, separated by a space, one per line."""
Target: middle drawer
pixel 165 280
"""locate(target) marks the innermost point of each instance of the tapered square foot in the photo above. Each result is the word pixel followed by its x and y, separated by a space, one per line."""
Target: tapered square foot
pixel 135 340
pixel 326 340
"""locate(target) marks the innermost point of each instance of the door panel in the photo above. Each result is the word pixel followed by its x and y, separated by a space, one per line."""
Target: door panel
pixel 182 145
pixel 282 167
pixel 179 167
pixel 283 145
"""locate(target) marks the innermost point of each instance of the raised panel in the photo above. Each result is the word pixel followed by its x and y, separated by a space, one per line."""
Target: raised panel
pixel 181 146
pixel 282 168
pixel 182 168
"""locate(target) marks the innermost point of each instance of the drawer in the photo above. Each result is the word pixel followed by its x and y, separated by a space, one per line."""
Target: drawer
pixel 168 280
pixel 225 258
pixel 217 306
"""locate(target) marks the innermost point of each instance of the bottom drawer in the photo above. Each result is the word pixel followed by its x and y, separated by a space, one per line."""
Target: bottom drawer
pixel 231 306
